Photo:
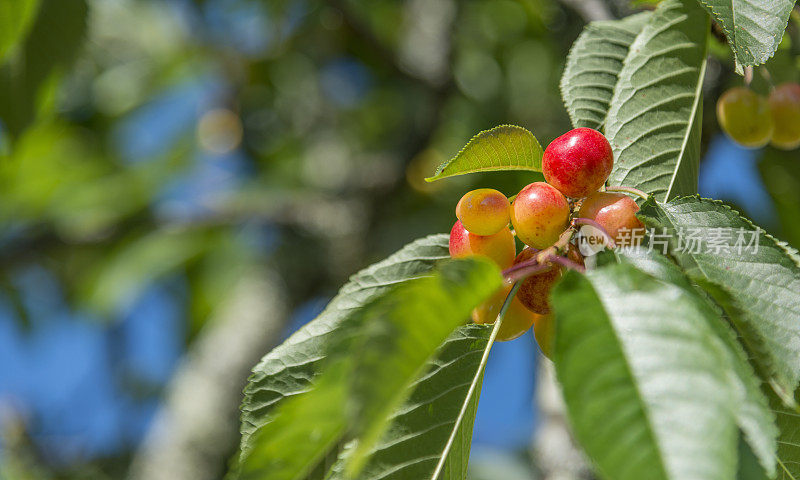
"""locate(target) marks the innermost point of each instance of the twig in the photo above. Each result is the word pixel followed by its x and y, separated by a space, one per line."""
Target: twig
pixel 559 247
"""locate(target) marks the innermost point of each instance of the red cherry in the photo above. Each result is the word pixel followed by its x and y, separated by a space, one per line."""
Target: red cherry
pixel 616 213
pixel 578 162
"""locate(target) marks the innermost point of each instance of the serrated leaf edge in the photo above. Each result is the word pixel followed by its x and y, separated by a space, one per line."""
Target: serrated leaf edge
pixel 790 251
pixel 592 27
pixel 440 169
pixel 732 35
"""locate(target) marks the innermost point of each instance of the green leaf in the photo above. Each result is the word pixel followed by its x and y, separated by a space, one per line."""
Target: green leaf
pixel 655 383
pixel 749 468
pixel 593 64
pixel 788 421
pixel 758 287
pixel 437 418
pixel 781 178
pixel 16 17
pixel 653 122
pixel 506 147
pixel 51 45
pixel 438 415
pixel 275 379
pixel 752 415
pixel 305 429
pixel 418 318
pixel 754 28
pixel 788 452
pixel 372 364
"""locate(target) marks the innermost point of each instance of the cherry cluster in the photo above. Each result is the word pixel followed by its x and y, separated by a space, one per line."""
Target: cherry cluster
pixel 752 120
pixel 544 216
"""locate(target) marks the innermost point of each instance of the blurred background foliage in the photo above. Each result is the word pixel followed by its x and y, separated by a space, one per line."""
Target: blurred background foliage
pixel 183 182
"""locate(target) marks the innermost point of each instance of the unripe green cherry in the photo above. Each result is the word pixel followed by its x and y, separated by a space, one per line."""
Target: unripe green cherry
pixel 784 105
pixel 745 117
pixel 616 213
pixel 483 211
pixel 516 321
pixel 540 213
pixel 499 247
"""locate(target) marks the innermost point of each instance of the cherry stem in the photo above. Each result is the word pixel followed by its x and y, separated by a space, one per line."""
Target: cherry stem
pixel 631 190
pixel 556 248
pixel 606 237
pixel 748 75
pixel 524 269
pixel 504 308
pixel 537 265
pixel 765 73
pixel 566 262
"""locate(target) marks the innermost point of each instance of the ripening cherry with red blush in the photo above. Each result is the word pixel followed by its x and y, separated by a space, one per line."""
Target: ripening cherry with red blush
pixel 578 162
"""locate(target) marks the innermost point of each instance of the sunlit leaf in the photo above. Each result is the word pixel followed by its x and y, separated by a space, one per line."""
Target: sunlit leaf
pixel 593 64
pixel 273 379
pixel 788 421
pixel 754 28
pixel 506 147
pixel 653 122
pixel 431 434
pixel 755 277
pixel 392 339
pixel 750 408
pixel 438 415
pixel 654 382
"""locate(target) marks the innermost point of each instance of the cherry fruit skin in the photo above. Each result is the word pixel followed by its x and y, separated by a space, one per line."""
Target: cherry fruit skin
pixel 516 321
pixel 578 162
pixel 616 213
pixel 534 291
pixel 483 211
pixel 499 247
pixel 784 105
pixel 745 117
pixel 540 213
